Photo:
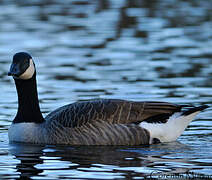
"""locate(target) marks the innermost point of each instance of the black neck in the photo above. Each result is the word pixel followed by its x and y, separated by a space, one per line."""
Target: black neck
pixel 28 105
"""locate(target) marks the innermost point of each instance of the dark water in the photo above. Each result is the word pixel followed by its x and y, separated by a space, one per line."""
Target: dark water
pixel 135 50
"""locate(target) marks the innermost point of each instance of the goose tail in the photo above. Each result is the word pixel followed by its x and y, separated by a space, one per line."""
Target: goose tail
pixel 174 126
pixel 192 110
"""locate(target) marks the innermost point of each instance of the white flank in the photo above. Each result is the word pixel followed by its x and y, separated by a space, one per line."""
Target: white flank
pixel 171 130
pixel 29 72
pixel 27 133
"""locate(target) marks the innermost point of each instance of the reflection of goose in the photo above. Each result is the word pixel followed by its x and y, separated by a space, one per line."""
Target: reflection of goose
pixel 57 162
pixel 29 156
pixel 98 122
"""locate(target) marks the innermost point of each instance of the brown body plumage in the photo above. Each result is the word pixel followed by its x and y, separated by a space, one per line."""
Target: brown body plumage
pixel 105 122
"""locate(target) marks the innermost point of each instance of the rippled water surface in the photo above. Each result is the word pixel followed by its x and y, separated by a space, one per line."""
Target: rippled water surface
pixel 127 49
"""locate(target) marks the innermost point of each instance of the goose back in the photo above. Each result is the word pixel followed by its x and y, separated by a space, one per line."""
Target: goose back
pixel 112 111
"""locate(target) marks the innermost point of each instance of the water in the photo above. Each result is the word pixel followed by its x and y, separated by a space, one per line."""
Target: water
pixel 135 50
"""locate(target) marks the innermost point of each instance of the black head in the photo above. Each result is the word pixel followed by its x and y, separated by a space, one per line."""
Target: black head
pixel 22 66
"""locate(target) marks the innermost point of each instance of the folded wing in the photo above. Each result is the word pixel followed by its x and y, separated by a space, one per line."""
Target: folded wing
pixel 112 111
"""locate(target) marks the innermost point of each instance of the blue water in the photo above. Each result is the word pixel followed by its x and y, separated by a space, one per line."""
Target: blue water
pixel 134 50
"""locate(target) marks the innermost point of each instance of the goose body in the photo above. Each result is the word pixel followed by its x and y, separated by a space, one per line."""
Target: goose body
pixel 97 122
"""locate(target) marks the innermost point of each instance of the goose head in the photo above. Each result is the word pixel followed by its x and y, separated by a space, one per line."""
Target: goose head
pixel 22 66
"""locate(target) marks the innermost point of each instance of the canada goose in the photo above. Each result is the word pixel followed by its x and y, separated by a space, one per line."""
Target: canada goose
pixel 97 122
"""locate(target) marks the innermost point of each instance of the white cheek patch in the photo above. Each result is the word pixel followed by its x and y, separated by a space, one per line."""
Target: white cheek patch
pixel 29 72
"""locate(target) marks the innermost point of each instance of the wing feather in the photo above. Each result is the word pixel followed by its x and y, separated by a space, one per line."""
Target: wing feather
pixel 112 111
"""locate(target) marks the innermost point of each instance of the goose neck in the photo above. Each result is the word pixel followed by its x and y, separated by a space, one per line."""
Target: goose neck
pixel 28 104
